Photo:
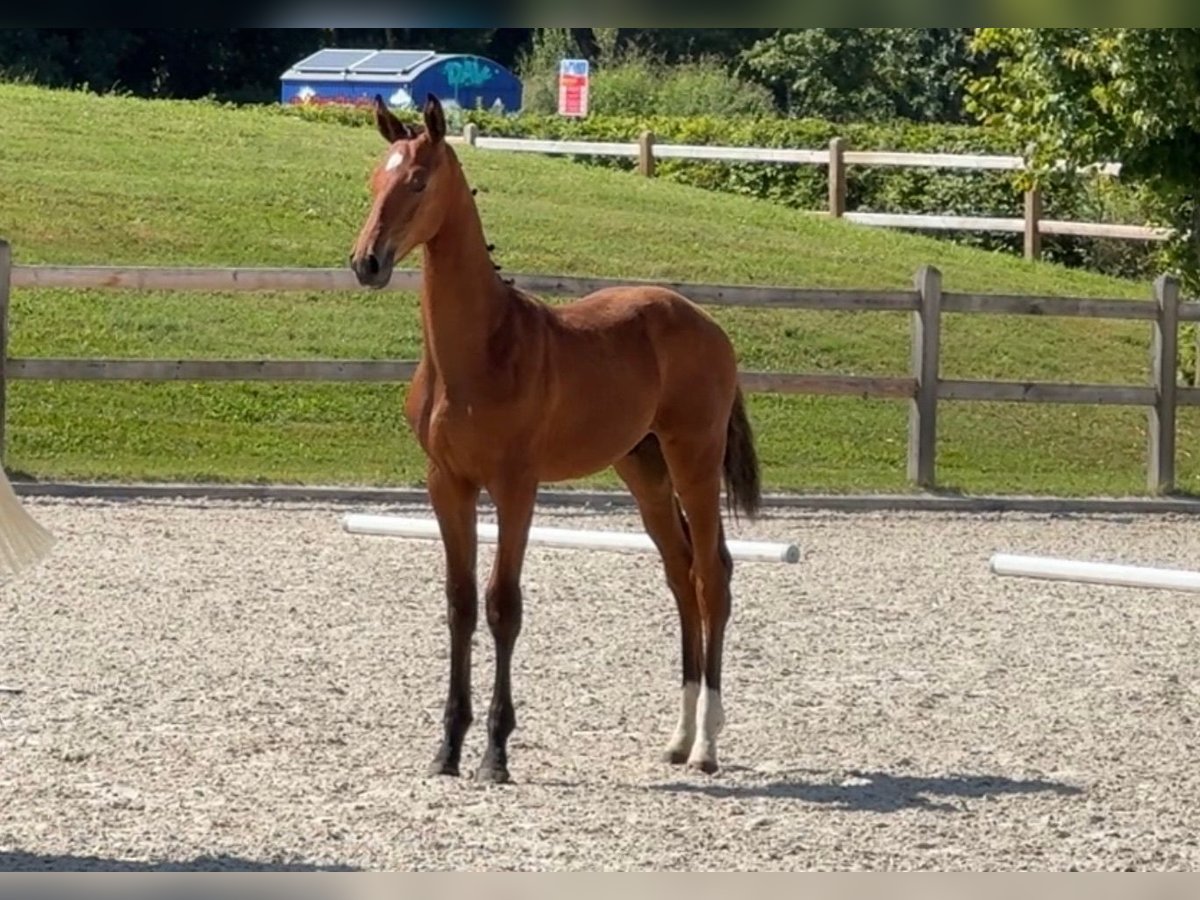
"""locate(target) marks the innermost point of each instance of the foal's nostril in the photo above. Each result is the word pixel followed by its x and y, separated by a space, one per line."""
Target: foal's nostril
pixel 373 264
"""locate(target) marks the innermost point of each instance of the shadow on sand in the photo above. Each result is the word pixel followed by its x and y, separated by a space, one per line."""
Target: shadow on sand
pixel 879 791
pixel 19 861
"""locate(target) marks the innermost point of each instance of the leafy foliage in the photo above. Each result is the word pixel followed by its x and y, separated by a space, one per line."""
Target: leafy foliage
pixel 869 188
pixel 1083 95
pixel 629 79
pixel 537 67
pixel 240 64
pixel 866 74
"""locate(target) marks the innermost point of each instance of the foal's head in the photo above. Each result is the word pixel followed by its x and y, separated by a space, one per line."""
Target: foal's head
pixel 407 187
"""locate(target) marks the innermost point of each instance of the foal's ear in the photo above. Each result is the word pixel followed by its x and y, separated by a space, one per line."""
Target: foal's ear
pixel 435 119
pixel 389 126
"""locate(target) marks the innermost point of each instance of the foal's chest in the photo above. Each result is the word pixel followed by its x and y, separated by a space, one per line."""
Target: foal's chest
pixel 468 438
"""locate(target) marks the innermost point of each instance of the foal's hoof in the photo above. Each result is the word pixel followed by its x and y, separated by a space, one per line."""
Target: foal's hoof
pixel 675 757
pixel 707 766
pixel 443 767
pixel 491 772
pixel 492 775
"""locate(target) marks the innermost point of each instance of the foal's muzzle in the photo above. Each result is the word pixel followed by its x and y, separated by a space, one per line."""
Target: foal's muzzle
pixel 371 270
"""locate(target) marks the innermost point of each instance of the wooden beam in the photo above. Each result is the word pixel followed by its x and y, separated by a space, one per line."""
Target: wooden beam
pixel 46 369
pixel 646 154
pixel 837 178
pixel 741 154
pixel 841 385
pixel 1105 230
pixel 6 270
pixel 992 223
pixel 1045 392
pixel 937 223
pixel 933 160
pixel 188 278
pixel 58 369
pixel 1164 350
pixel 263 279
pixel 1033 215
pixel 1081 307
pixel 579 148
pixel 922 415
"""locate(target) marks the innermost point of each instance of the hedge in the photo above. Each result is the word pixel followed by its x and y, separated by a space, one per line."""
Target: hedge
pixel 868 189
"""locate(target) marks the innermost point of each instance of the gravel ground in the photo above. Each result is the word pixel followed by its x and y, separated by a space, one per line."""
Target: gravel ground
pixel 244 686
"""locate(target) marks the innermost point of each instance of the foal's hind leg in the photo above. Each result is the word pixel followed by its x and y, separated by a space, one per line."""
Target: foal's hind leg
pixel 645 474
pixel 695 468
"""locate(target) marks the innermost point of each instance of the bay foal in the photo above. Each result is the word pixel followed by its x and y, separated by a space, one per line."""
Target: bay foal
pixel 511 392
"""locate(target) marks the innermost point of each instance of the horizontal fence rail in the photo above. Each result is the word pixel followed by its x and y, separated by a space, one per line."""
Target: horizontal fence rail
pixel 646 150
pixel 47 369
pixel 923 388
pixel 145 278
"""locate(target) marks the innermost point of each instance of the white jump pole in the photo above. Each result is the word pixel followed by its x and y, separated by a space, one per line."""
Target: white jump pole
pixel 1055 569
pixel 399 526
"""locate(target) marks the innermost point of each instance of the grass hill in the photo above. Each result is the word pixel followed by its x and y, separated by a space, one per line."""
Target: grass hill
pixel 112 180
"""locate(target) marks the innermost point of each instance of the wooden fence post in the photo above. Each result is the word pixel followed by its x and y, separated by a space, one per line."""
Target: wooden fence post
pixel 5 292
pixel 1033 215
pixel 470 133
pixel 1164 344
pixel 1196 364
pixel 646 154
pixel 922 409
pixel 837 178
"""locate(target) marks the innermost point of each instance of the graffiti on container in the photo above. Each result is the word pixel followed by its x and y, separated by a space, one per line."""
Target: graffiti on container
pixel 468 73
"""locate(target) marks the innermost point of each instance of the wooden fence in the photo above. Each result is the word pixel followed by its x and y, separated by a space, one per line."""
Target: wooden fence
pixel 922 387
pixel 836 158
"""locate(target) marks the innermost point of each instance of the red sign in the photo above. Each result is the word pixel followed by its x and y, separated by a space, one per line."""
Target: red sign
pixel 573 87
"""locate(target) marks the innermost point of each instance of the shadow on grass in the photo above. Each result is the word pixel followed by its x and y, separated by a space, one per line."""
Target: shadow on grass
pixel 879 791
pixel 20 861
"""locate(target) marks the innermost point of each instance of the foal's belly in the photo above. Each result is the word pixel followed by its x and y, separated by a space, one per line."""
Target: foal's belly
pixel 586 432
pixel 570 454
pixel 482 447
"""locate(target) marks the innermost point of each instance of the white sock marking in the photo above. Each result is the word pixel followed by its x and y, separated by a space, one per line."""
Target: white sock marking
pixel 685 731
pixel 714 714
pixel 704 750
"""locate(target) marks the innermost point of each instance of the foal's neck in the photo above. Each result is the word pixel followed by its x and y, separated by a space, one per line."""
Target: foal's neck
pixel 463 298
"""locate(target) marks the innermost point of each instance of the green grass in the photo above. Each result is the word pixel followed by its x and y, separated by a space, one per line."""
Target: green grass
pixel 108 180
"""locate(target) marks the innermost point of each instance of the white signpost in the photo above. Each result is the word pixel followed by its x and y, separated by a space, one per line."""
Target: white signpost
pixel 573 87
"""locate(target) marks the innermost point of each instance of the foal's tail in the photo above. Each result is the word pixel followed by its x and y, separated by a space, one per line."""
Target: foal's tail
pixel 742 487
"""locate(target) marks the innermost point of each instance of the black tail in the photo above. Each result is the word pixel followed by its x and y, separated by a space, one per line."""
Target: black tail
pixel 742 487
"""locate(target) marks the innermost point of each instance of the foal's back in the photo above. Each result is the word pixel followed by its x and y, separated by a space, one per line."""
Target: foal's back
pixel 653 329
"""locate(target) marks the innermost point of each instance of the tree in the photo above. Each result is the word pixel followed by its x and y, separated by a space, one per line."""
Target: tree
pixel 856 74
pixel 239 64
pixel 1078 96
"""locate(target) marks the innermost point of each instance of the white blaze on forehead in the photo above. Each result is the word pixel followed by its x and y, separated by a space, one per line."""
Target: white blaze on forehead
pixel 395 161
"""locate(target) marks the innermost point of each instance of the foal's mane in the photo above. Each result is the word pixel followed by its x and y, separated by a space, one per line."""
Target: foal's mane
pixel 417 130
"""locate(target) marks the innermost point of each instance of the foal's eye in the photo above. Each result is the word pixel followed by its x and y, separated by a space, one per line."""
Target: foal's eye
pixel 417 185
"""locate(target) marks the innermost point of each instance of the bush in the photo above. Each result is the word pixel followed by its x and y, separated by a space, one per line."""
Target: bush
pixel 869 188
pixel 628 80
pixel 537 68
pixel 706 88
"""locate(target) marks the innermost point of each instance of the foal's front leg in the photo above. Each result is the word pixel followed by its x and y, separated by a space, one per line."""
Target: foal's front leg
pixel 514 514
pixel 454 505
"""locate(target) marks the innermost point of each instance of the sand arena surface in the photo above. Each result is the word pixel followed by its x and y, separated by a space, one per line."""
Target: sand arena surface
pixel 245 686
